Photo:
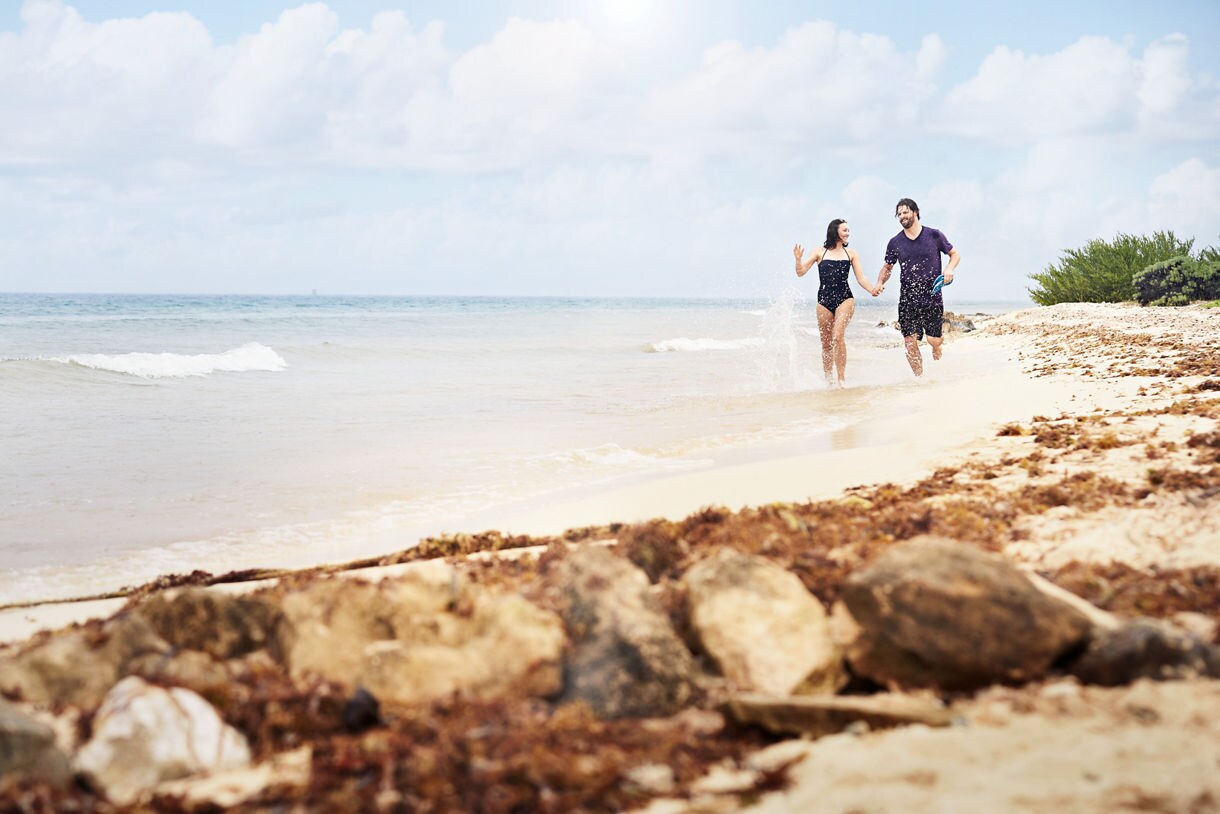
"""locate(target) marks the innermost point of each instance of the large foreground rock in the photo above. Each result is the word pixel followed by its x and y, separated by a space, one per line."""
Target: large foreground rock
pixel 935 613
pixel 414 639
pixel 627 659
pixel 143 735
pixel 27 748
pixel 78 667
pixel 761 626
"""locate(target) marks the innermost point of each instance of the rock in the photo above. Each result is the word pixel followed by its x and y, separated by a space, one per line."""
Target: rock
pixel 143 735
pixel 78 667
pixel 215 623
pixel 362 711
pixel 651 778
pixel 28 750
pixel 761 626
pixel 1100 619
pixel 627 661
pixel 957 322
pixel 1146 648
pixel 825 715
pixel 228 789
pixel 1199 624
pixel 934 613
pixel 725 779
pixel 413 639
pixel 189 669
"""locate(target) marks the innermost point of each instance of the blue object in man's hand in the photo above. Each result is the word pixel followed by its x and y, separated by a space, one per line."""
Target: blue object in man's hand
pixel 940 283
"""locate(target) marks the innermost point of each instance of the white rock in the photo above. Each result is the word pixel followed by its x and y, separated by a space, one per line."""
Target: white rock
pixel 761 626
pixel 143 735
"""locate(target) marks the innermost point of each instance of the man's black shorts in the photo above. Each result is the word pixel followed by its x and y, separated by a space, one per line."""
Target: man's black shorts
pixel 919 315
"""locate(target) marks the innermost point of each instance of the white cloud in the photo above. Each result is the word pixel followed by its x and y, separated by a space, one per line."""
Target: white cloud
pixel 69 88
pixel 1187 200
pixel 1093 86
pixel 820 86
pixel 536 89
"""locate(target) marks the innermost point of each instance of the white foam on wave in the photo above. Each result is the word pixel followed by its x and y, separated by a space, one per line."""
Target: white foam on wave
pixel 249 357
pixel 613 456
pixel 682 343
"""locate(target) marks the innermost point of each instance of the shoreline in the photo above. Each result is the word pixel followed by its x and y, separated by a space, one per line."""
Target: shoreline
pixel 900 452
pixel 748 475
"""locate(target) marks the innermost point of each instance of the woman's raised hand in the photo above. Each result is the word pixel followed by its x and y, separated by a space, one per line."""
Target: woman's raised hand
pixel 799 251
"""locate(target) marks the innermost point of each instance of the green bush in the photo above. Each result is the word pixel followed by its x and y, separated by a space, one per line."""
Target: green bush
pixel 1177 281
pixel 1101 270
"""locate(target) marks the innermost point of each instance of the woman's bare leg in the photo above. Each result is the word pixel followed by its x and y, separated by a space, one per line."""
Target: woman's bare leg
pixel 826 324
pixel 843 315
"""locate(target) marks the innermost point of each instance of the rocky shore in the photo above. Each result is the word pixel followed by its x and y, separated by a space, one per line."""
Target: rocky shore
pixel 1030 627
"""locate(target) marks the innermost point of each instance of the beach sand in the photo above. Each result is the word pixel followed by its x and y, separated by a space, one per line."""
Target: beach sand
pixel 1096 459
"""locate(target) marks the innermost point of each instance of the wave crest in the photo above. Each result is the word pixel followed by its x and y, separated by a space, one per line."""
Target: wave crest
pixel 249 357
pixel 684 344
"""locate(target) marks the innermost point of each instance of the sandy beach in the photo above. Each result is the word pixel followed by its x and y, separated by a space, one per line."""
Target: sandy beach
pixel 1092 462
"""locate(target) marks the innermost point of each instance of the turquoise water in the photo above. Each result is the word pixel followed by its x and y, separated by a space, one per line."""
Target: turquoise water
pixel 156 434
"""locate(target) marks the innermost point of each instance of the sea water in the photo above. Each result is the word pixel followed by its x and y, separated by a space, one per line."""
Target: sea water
pixel 146 435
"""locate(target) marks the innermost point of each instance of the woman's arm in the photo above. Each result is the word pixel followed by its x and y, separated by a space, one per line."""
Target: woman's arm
pixel 803 266
pixel 860 278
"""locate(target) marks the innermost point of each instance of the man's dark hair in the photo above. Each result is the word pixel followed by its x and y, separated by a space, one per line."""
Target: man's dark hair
pixel 909 204
pixel 832 233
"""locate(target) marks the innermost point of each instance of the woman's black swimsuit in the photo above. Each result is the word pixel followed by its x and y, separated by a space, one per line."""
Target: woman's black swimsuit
pixel 833 289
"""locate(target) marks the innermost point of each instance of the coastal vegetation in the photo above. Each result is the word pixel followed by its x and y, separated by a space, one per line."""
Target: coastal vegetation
pixel 1156 269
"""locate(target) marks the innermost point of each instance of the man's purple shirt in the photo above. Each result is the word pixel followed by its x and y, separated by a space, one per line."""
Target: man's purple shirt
pixel 919 259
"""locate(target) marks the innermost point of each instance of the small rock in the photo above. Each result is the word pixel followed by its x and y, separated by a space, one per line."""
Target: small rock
pixel 653 778
pixel 143 735
pixel 722 779
pixel 825 715
pixel 1200 624
pixel 361 711
pixel 27 748
pixel 777 756
pixel 1146 648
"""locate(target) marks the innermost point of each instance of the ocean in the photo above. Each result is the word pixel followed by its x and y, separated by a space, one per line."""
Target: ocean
pixel 147 435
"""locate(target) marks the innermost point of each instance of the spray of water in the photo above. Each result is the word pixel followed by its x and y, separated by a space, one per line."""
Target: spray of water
pixel 780 363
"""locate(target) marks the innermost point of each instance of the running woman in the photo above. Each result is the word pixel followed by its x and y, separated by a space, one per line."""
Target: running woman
pixel 836 305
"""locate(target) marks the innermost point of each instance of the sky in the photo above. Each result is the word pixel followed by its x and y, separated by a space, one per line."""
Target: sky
pixel 672 148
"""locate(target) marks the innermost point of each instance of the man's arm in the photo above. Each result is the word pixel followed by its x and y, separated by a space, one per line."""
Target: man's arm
pixel 955 257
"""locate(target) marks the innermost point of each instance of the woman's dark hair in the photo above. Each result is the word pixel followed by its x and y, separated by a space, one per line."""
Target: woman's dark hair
pixel 909 204
pixel 832 233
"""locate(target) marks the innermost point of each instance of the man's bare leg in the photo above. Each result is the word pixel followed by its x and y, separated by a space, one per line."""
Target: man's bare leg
pixel 935 341
pixel 914 357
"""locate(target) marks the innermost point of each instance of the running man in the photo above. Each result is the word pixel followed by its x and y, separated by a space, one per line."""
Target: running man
pixel 917 249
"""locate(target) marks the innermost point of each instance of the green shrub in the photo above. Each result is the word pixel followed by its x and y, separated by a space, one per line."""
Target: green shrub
pixel 1177 281
pixel 1101 270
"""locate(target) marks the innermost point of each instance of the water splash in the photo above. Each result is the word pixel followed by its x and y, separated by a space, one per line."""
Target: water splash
pixel 780 363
